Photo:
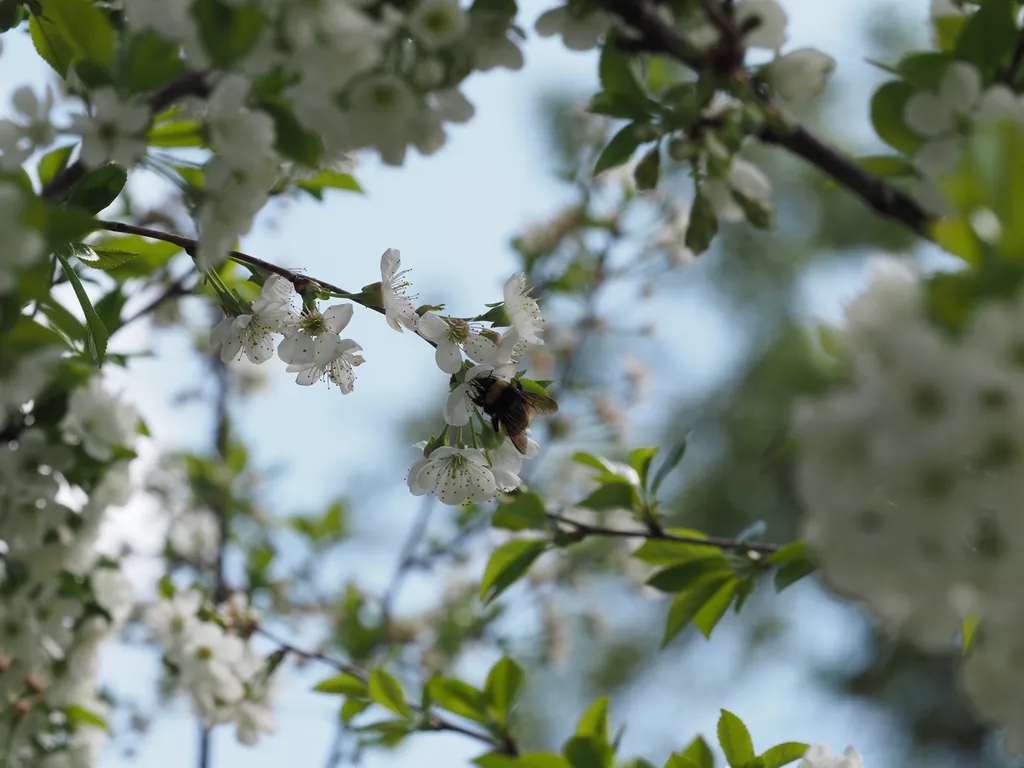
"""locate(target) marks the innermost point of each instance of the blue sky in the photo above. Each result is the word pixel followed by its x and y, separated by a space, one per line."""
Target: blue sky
pixel 452 215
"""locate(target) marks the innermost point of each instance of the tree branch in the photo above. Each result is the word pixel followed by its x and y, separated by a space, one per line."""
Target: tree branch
pixel 189 245
pixel 657 36
pixel 585 529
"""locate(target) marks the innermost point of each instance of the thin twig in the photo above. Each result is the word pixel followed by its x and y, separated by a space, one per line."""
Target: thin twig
pixel 736 545
pixel 407 561
pixel 174 290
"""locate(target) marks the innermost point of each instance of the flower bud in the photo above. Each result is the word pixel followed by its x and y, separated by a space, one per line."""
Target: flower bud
pixel 801 74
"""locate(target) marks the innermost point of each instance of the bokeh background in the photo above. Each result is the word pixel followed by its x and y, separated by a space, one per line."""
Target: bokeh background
pixel 798 666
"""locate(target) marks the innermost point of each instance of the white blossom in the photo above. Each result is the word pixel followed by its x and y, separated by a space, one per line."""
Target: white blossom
pixel 522 309
pixel 770 32
pixel 459 406
pixel 507 464
pixel 113 593
pixel 446 335
pixel 275 306
pixel 438 23
pixel 820 756
pixel 316 351
pixel 173 620
pixel 21 246
pixel 579 32
pixel 19 138
pixel 801 74
pixel 455 475
pixel 195 535
pixel 245 333
pixel 381 114
pixel 499 351
pixel 114 132
pixel 398 308
pixel 99 421
pixel 490 42
pixel 745 179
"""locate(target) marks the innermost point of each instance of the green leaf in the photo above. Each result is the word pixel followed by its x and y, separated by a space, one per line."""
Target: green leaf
pixel 344 684
pixel 783 754
pixel 648 170
pixel 65 226
pixel 677 578
pixel 227 32
pixel 497 760
pixel 61 319
pixel 542 760
pixel 459 697
pixel 794 563
pixel 886 166
pixel 734 739
pixel 109 308
pixel 150 254
pixel 525 511
pixel 968 631
pixel 587 752
pixel 11 14
pixel 166 587
pixel 50 44
pixel 887 116
pixel 105 258
pixel 509 563
pixel 612 495
pixel 989 36
pixel 699 752
pixel 590 460
pixel 292 139
pixel 701 229
pixel 618 151
pixel 85 28
pixel 687 604
pixel 150 63
pixel 713 610
pixel 948 30
pixel 97 341
pixel 177 133
pixel 957 236
pixel 680 761
pixel 673 457
pixel 594 722
pixel 502 686
pixel 387 692
pixel 316 185
pixel 640 459
pixel 924 71
pixel 666 552
pixel 99 188
pixel 54 162
pixel 618 75
pixel 79 716
pixel 351 708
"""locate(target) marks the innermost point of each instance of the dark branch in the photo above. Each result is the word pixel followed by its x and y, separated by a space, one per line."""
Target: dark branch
pixel 657 36
pixel 734 545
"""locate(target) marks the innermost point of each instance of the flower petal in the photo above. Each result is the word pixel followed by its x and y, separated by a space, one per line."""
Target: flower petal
pixel 390 261
pixel 431 327
pixel 458 407
pixel 337 317
pixel 448 357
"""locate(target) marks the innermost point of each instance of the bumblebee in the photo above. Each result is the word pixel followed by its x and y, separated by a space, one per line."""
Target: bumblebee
pixel 510 406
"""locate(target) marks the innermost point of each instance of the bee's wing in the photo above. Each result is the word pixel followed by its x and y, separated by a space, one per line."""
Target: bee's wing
pixel 515 422
pixel 540 403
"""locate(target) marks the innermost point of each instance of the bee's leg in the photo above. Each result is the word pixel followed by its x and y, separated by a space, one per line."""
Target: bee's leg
pixel 495 423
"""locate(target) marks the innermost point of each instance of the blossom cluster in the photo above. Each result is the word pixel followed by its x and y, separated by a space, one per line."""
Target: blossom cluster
pixel 223 675
pixel 312 346
pixel 61 602
pixel 912 475
pixel 943 118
